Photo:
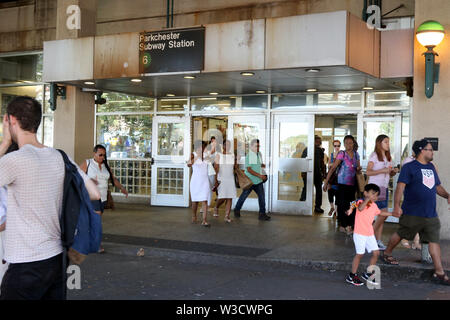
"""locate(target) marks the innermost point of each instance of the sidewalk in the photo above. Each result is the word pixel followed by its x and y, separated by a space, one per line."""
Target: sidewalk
pixel 302 241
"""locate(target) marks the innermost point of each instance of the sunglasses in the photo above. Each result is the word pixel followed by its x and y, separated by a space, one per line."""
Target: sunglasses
pixel 101 155
pixel 337 146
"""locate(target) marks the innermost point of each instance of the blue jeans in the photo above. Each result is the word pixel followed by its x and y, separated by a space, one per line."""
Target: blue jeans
pixel 259 189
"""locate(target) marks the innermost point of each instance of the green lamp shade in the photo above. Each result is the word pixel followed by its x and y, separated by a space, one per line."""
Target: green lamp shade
pixel 430 33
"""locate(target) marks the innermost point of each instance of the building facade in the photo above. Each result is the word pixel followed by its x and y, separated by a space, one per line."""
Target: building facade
pixel 281 71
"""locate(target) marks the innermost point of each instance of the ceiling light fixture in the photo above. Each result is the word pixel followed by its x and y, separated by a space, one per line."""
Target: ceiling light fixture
pixel 313 70
pixel 189 77
pixel 170 95
pixel 136 80
pixel 367 88
pixel 89 82
pixel 214 93
pixel 260 91
pixel 247 73
pixel 311 90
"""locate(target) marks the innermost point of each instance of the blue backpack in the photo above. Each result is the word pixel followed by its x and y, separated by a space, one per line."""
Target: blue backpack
pixel 81 227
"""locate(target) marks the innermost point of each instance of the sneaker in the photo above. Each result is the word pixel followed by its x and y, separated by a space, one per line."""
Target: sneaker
pixel 319 210
pixel 264 217
pixel 381 245
pixel 366 277
pixel 354 280
pixel 237 213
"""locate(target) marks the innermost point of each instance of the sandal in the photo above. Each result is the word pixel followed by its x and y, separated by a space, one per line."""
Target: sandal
pixel 206 224
pixel 441 279
pixel 330 213
pixel 389 260
pixel 227 219
pixel 216 212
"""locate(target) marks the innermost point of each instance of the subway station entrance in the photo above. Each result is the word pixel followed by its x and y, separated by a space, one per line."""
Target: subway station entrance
pixel 269 79
pixel 152 161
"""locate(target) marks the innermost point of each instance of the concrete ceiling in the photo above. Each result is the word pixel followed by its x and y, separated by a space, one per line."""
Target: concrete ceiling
pixel 328 79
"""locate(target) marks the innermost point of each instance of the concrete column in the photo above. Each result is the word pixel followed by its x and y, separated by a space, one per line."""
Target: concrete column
pixel 74 124
pixel 75 116
pixel 431 117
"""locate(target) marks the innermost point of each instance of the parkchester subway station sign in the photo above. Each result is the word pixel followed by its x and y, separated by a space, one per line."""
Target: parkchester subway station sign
pixel 172 51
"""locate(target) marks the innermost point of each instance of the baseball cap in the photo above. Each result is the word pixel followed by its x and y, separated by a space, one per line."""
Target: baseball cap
pixel 419 145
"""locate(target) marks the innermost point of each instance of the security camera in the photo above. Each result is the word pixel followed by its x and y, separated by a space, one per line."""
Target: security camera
pixel 99 99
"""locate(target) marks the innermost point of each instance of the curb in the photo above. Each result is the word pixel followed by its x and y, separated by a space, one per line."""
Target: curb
pixel 399 272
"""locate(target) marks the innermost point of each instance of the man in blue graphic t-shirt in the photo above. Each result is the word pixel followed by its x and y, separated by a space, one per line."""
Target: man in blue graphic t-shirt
pixel 419 182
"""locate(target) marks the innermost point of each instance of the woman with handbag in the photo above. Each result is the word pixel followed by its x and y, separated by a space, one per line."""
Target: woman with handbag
pixel 225 164
pixel 98 170
pixel 333 185
pixel 379 171
pixel 349 165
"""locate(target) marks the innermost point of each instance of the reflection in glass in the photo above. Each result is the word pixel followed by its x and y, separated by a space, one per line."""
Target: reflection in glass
pixel 291 100
pixel 172 104
pixel 339 100
pixel 229 103
pixel 21 69
pixel 244 133
pixel 396 100
pixel 120 102
pixel 125 136
pixel 372 130
pixel 170 139
pixel 292 145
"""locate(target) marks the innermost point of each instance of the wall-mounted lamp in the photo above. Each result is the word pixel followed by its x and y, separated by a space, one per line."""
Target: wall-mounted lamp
pixel 430 34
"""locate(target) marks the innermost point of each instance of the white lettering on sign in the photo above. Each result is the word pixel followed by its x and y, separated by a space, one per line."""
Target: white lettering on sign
pixel 73 21
pixel 158 41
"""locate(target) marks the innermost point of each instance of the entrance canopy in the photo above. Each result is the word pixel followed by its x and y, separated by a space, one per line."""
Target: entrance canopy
pixel 326 52
pixel 328 79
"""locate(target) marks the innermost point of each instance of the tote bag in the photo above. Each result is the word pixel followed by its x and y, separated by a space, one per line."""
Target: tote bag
pixel 243 181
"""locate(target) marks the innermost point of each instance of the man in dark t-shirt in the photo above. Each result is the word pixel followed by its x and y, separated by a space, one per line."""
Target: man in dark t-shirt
pixel 419 182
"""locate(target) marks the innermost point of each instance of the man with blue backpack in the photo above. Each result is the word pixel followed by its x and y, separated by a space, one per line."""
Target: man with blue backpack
pixel 41 211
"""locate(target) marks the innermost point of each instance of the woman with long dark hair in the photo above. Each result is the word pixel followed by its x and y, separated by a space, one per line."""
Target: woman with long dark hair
pixel 99 171
pixel 379 171
pixel 347 163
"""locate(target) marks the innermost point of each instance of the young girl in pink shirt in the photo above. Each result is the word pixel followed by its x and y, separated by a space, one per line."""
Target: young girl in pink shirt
pixel 363 235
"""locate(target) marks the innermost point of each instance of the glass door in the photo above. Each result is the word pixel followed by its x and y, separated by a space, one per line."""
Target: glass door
pixel 243 129
pixel 171 151
pixel 391 126
pixel 293 159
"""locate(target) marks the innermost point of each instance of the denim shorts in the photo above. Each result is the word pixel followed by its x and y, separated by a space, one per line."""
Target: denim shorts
pixel 383 203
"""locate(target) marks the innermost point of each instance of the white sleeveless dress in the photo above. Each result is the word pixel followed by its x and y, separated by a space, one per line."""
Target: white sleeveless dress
pixel 227 187
pixel 200 187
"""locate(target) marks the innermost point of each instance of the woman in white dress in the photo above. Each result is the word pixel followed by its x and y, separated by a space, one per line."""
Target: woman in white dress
pixel 199 186
pixel 224 164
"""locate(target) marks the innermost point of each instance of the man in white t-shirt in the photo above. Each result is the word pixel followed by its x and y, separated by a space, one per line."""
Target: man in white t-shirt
pixel 34 176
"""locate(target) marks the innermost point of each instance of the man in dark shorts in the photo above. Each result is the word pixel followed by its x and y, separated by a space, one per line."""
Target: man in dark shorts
pixel 420 183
